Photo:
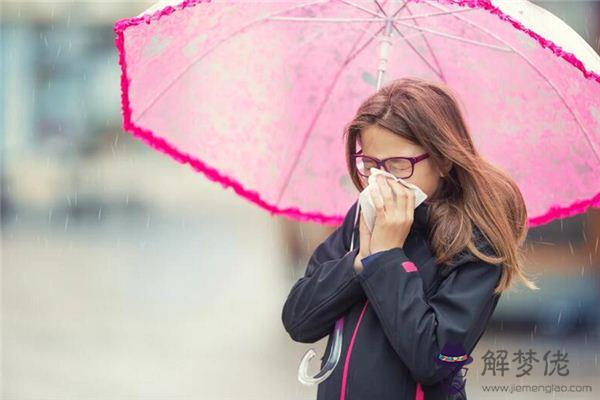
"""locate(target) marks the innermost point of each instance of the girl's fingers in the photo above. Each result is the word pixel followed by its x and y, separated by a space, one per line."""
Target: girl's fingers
pixel 362 226
pixel 386 192
pixel 396 188
pixel 400 194
pixel 377 200
pixel 410 204
pixel 364 233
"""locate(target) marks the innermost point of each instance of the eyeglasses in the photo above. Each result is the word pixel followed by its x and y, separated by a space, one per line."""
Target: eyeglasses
pixel 400 167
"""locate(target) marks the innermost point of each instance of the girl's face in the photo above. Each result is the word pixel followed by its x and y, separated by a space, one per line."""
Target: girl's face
pixel 381 143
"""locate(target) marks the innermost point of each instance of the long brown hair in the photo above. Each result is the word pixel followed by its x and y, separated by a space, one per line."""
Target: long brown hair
pixel 473 194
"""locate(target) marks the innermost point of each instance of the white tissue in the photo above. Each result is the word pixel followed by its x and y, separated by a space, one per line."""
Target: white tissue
pixel 366 203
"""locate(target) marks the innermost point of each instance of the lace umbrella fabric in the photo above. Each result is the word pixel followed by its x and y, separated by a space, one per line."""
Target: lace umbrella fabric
pixel 255 95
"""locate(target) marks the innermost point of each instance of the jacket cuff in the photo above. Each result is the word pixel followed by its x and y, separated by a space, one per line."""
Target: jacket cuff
pixel 375 261
pixel 371 258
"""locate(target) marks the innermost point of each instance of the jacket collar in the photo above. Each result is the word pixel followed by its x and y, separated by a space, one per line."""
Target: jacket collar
pixel 421 217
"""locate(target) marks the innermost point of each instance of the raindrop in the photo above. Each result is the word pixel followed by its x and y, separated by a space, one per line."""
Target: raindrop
pixel 99 213
pixel 66 221
pixel 571 248
pixel 559 316
pixel 586 28
pixel 301 228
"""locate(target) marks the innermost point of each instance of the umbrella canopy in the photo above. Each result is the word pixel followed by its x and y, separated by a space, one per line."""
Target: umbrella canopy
pixel 256 95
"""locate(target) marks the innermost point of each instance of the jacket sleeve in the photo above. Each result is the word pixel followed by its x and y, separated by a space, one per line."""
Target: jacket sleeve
pixel 418 328
pixel 328 288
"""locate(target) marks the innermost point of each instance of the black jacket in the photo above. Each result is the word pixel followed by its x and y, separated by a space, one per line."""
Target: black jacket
pixel 396 319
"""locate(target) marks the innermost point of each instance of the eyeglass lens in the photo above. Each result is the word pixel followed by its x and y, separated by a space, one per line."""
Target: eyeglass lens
pixel 400 168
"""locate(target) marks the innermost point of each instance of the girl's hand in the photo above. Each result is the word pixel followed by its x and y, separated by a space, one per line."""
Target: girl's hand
pixel 365 243
pixel 394 213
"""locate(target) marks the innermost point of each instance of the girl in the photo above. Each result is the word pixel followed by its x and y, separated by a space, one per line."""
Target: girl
pixel 417 292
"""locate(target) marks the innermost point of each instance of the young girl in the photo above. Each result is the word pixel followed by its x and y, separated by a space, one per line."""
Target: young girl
pixel 417 292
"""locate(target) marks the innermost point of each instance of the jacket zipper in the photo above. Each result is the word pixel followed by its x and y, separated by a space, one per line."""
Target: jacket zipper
pixel 418 392
pixel 349 352
pixel 419 395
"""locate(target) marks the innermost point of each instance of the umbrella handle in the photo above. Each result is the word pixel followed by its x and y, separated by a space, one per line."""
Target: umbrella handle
pixel 336 345
pixel 332 360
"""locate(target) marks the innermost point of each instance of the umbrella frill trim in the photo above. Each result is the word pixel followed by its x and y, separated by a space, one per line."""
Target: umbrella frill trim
pixel 213 174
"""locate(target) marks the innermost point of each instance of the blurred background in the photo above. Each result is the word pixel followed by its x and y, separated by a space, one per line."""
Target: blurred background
pixel 128 275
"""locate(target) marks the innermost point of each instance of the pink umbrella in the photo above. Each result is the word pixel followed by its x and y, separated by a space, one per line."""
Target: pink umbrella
pixel 255 95
pixel 273 83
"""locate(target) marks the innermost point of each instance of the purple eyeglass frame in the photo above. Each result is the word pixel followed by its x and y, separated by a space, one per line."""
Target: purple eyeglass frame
pixel 381 163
